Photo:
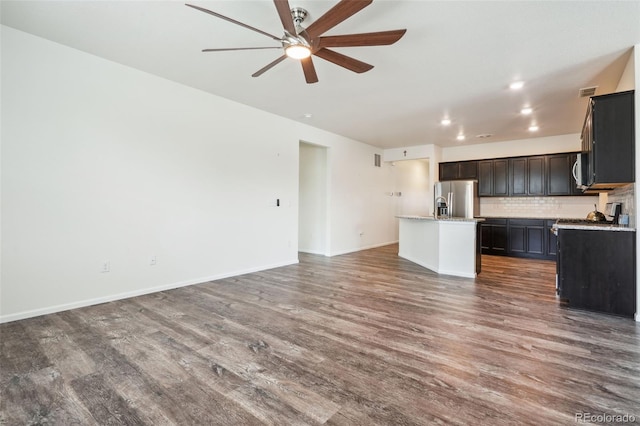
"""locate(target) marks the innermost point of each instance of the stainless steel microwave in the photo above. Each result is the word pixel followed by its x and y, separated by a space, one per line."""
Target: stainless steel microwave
pixel 580 170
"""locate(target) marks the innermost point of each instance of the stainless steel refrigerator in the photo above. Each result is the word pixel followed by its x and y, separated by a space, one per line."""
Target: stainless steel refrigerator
pixel 461 197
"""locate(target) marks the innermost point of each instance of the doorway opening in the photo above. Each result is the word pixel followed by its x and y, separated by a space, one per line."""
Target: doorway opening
pixel 313 197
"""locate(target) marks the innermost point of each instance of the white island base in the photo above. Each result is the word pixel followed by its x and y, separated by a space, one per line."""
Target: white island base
pixel 446 246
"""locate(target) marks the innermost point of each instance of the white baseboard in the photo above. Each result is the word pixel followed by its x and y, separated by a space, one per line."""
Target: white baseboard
pixel 322 253
pixel 129 294
pixel 338 253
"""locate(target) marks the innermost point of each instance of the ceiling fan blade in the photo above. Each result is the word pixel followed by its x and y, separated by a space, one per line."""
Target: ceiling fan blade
pixel 225 49
pixel 217 15
pixel 379 38
pixel 343 60
pixel 284 11
pixel 268 66
pixel 335 15
pixel 309 70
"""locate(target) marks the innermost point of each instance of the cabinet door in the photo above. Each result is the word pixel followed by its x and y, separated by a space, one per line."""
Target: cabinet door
pixel 501 177
pixel 613 138
pixel 448 171
pixel 517 239
pixel 499 239
pixel 468 170
pixel 485 178
pixel 559 178
pixel 518 177
pixel 535 240
pixel 485 236
pixel 535 175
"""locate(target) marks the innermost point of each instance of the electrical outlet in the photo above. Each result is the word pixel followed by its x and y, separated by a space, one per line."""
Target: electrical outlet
pixel 153 260
pixel 106 266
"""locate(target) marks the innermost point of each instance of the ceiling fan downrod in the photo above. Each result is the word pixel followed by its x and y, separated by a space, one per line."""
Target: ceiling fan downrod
pixel 298 14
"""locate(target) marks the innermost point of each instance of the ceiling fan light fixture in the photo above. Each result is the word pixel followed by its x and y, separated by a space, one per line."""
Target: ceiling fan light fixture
pixel 297 51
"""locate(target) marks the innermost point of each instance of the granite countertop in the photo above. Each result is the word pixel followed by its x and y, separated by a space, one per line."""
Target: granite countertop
pixel 594 226
pixel 528 217
pixel 442 219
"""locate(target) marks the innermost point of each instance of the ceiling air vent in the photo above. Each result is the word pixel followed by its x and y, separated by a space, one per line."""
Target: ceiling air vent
pixel 586 92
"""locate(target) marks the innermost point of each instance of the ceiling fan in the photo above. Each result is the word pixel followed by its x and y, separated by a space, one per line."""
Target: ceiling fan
pixel 300 43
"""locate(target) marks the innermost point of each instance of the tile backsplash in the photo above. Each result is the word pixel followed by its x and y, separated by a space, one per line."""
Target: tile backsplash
pixel 625 195
pixel 537 207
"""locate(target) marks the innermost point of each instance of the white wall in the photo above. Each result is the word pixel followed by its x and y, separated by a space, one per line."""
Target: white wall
pixel 630 83
pixel 630 80
pixel 627 80
pixel 104 162
pixel 361 214
pixel 514 148
pixel 432 153
pixel 312 217
pixel 412 187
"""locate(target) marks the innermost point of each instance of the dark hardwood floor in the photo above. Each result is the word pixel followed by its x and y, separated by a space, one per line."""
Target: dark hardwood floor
pixel 359 339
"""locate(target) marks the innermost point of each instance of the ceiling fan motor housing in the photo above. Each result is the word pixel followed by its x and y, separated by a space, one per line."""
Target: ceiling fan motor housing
pixel 298 14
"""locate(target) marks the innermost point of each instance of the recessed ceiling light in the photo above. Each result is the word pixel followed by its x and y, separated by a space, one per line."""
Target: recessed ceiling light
pixel 526 110
pixel 460 137
pixel 308 115
pixel 516 85
pixel 445 122
pixel 533 128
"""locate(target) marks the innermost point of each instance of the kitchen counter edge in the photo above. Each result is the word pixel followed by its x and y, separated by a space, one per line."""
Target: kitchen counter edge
pixel 594 227
pixel 442 219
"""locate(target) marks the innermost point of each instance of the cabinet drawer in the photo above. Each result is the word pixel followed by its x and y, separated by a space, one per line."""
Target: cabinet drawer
pixel 526 222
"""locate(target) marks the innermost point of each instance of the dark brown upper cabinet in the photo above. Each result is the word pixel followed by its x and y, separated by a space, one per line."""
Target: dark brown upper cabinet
pixel 527 176
pixel 538 175
pixel 485 178
pixel 460 170
pixel 501 177
pixel 518 177
pixel 559 177
pixel 608 135
pixel 493 178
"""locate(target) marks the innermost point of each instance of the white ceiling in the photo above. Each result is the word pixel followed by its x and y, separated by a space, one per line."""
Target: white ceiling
pixel 457 59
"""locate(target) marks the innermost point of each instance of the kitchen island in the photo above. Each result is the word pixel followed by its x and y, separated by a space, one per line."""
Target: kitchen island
pixel 596 267
pixel 449 246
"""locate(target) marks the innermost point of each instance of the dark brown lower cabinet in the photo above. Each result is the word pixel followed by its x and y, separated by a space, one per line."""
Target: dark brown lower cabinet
pixel 596 270
pixel 494 236
pixel 513 237
pixel 526 237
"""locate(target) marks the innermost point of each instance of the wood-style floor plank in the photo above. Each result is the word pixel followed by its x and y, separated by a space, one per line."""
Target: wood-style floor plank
pixel 359 339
